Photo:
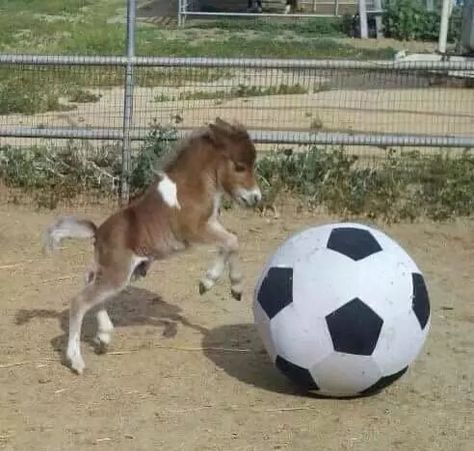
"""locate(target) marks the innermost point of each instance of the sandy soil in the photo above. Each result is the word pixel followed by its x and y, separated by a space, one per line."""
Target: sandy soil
pixel 434 111
pixel 165 386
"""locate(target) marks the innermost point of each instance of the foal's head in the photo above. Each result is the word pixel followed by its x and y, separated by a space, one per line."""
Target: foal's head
pixel 236 168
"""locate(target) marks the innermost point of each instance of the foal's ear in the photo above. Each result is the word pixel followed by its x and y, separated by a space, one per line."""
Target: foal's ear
pixel 215 135
pixel 224 125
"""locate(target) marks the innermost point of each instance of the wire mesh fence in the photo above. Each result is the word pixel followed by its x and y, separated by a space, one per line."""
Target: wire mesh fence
pixel 64 121
pixel 287 101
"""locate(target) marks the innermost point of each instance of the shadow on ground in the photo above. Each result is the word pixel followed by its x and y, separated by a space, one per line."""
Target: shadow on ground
pixel 251 366
pixel 236 349
pixel 132 307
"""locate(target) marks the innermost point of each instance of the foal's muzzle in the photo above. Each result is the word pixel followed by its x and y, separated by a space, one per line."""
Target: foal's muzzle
pixel 248 197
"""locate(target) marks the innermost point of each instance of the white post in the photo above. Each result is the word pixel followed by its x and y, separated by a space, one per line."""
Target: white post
pixel 180 10
pixel 443 32
pixel 430 5
pixel 364 29
pixel 378 18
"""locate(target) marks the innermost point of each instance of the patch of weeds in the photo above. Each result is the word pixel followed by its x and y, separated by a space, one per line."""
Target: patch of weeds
pixel 241 91
pixel 51 175
pixel 316 124
pixel 176 77
pixel 405 186
pixel 20 95
pixel 151 154
pixel 80 95
pixel 163 98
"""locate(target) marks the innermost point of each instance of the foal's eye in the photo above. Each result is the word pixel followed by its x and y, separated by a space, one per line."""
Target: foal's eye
pixel 239 167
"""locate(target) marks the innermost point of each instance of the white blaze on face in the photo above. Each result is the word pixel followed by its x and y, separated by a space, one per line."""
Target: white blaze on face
pixel 168 191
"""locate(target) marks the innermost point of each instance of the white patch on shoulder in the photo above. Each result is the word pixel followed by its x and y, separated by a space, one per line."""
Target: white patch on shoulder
pixel 168 191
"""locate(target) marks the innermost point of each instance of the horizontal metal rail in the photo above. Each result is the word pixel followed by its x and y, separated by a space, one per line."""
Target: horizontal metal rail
pixel 254 15
pixel 455 63
pixel 263 14
pixel 259 136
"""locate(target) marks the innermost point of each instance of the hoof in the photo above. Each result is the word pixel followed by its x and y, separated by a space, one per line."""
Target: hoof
pixel 202 288
pixel 100 347
pixel 77 367
pixel 237 295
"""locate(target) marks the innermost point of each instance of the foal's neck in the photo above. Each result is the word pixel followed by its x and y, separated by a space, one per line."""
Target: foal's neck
pixel 195 165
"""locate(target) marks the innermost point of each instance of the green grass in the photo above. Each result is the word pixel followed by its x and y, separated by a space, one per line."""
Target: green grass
pixel 44 6
pixel 304 27
pixel 263 47
pixel 96 27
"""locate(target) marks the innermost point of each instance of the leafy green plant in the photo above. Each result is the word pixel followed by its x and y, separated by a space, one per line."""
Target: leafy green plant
pixel 156 147
pixel 403 185
pixel 409 20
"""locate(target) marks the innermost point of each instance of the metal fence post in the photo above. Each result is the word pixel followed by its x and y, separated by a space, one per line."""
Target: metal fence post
pixel 128 104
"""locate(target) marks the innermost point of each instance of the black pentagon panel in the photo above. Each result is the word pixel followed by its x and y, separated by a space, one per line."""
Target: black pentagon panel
pixel 353 243
pixel 354 328
pixel 384 382
pixel 300 376
pixel 421 301
pixel 276 291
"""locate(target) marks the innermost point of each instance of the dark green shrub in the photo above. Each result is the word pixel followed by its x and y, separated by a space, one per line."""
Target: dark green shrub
pixel 409 20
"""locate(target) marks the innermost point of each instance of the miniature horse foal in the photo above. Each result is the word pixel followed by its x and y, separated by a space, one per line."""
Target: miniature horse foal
pixel 179 209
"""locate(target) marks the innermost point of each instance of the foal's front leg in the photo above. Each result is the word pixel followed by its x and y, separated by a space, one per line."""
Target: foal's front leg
pixel 228 245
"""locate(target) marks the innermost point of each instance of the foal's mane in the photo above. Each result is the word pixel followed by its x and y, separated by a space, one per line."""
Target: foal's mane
pixel 203 135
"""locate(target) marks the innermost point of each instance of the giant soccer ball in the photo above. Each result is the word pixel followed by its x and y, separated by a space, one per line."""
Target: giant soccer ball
pixel 342 309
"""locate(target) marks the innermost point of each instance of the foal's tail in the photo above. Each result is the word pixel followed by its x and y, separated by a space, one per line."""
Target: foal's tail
pixel 68 227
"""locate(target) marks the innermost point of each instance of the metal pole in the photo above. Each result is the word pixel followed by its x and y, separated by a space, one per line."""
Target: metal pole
pixel 128 104
pixel 430 5
pixel 443 32
pixel 336 8
pixel 364 31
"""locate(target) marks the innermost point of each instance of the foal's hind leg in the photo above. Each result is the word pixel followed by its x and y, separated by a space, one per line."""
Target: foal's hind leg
pixel 104 324
pixel 106 284
pixel 104 330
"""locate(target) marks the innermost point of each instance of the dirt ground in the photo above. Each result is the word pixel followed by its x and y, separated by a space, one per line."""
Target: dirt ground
pixel 189 373
pixel 410 111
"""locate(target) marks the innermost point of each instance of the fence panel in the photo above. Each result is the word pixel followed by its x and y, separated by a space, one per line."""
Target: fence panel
pixel 69 105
